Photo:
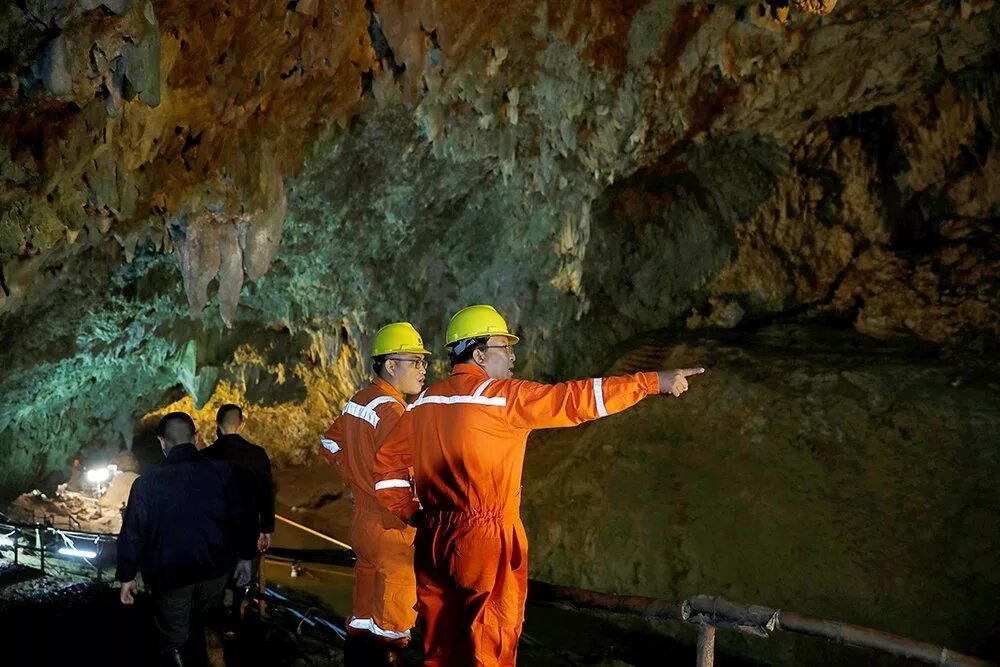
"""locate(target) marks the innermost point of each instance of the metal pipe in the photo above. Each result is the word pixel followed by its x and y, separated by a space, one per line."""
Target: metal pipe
pixel 856 635
pixel 755 619
pixel 68 531
pixel 540 591
pixel 719 612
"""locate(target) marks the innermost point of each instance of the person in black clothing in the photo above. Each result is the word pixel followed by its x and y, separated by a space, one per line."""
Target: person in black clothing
pixel 182 532
pixel 252 469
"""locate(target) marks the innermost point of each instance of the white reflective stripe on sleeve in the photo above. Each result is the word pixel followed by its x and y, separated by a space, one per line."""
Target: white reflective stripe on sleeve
pixel 371 626
pixel 599 397
pixel 381 400
pixel 392 484
pixel 481 388
pixel 361 412
pixel 499 401
pixel 330 445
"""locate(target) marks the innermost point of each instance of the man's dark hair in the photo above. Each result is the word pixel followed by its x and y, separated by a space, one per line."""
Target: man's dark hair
pixel 176 428
pixel 229 415
pixel 378 363
pixel 466 354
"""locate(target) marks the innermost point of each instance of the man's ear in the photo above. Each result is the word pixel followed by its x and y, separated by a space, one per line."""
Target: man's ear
pixel 479 356
pixel 390 367
pixel 163 443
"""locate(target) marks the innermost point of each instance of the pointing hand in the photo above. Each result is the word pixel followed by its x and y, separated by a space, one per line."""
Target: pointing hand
pixel 675 382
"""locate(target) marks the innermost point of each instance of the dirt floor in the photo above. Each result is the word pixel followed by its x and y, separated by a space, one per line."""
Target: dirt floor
pixel 93 628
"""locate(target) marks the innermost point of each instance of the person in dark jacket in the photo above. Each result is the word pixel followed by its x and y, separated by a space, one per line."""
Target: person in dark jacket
pixel 182 532
pixel 252 469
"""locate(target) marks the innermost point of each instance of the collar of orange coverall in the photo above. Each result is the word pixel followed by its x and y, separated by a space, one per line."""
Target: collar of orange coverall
pixel 469 369
pixel 388 389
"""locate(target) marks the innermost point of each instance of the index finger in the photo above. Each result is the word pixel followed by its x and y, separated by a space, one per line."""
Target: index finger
pixel 688 372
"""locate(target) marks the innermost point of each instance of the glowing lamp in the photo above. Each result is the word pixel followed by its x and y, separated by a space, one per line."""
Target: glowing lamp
pixel 98 475
pixel 79 553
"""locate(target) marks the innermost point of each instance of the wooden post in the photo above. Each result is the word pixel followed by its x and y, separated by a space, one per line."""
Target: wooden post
pixel 706 646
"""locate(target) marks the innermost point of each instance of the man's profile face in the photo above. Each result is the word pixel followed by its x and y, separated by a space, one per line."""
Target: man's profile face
pixel 498 358
pixel 409 372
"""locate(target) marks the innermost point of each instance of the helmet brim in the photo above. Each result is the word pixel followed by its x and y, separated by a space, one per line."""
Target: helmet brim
pixel 414 351
pixel 509 336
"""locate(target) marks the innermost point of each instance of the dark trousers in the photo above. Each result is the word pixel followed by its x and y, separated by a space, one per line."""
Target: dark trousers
pixel 240 593
pixel 183 613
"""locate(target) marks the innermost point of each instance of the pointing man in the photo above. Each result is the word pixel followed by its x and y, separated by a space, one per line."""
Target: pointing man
pixel 465 438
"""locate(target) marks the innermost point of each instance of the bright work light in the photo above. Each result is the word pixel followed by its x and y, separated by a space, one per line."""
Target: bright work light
pixel 98 475
pixel 80 553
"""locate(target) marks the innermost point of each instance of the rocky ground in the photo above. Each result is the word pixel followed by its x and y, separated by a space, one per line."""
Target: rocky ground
pixel 93 628
pixel 82 509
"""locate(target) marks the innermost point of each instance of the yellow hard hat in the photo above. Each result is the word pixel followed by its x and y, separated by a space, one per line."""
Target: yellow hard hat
pixel 398 337
pixel 476 321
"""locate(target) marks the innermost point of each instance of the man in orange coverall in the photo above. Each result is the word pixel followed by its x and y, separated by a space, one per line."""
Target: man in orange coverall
pixel 384 587
pixel 465 438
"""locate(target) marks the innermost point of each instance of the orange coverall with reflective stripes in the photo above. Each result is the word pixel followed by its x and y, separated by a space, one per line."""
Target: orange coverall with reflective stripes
pixel 384 586
pixel 465 439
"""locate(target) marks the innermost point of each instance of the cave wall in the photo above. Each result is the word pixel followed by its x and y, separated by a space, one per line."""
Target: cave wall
pixel 807 470
pixel 594 170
